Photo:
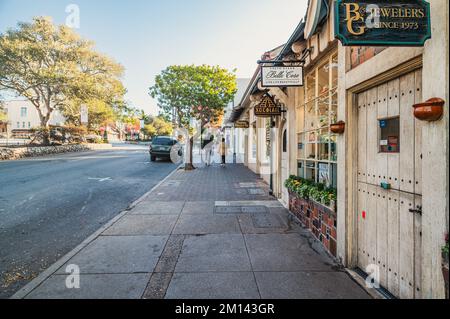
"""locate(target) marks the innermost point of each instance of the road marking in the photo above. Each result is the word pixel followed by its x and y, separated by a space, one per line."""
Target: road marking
pixel 101 179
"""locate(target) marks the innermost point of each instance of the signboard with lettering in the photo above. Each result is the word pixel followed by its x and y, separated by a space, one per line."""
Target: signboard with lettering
pixel 267 108
pixel 241 124
pixel 382 22
pixel 281 76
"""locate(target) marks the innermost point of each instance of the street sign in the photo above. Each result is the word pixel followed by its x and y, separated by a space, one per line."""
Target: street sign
pixel 267 108
pixel 281 76
pixel 382 22
pixel 84 114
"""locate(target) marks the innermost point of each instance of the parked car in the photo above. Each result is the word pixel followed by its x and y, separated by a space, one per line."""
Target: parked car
pixel 161 147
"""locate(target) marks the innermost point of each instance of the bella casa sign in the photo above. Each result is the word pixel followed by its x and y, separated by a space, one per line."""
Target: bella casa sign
pixel 382 22
pixel 281 76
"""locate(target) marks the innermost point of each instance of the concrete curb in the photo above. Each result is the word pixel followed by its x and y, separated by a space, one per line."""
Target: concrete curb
pixel 27 289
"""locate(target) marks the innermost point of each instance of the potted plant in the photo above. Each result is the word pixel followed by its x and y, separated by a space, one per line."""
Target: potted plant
pixel 445 251
pixel 431 110
pixel 338 128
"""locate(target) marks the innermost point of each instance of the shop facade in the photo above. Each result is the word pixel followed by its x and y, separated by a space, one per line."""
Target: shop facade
pixel 389 167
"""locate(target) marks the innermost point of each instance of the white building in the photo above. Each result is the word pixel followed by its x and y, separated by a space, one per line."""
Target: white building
pixel 235 138
pixel 22 116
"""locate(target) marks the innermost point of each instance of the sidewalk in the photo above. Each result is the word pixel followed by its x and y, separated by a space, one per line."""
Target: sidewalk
pixel 211 233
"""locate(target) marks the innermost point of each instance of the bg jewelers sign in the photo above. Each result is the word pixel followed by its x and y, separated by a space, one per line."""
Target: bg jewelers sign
pixel 382 22
pixel 281 76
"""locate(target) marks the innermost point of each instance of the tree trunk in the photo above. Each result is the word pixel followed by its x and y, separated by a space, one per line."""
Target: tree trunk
pixel 188 166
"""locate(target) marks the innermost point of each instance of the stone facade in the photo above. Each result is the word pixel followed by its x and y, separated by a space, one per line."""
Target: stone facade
pixel 320 220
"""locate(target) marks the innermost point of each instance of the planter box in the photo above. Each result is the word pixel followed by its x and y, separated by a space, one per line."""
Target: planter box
pixel 319 219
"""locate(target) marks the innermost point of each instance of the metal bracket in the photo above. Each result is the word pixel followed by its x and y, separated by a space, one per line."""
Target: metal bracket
pixel 418 210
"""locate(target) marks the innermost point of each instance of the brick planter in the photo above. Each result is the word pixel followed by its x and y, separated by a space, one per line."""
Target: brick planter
pixel 319 219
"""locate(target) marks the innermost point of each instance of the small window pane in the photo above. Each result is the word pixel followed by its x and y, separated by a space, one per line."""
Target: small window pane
pixel 333 148
pixel 301 169
pixel 311 144
pixel 310 87
pixel 324 79
pixel 310 171
pixel 390 135
pixel 311 116
pixel 301 146
pixel 323 173
pixel 324 145
pixel 334 175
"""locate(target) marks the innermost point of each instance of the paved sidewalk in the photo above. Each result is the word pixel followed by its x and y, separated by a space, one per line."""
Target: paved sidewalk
pixel 211 233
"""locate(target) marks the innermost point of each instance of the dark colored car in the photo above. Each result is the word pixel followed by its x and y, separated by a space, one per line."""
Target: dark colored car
pixel 161 147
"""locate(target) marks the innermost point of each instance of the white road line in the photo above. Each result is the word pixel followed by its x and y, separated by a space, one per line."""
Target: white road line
pixel 100 179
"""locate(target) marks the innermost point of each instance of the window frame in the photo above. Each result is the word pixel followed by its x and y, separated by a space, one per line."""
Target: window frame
pixel 304 120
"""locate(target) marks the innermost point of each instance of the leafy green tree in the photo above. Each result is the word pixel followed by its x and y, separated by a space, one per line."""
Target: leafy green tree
pixel 158 126
pixel 193 92
pixel 51 65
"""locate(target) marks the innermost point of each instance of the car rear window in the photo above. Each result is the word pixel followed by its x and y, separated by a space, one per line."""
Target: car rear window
pixel 163 141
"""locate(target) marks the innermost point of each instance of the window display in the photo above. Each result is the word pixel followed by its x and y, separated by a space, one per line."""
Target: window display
pixel 317 151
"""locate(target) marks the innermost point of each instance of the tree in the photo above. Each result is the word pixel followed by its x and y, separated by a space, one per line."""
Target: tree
pixel 157 126
pixel 54 68
pixel 193 92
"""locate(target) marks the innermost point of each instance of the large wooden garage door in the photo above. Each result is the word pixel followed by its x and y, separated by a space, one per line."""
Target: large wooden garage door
pixel 389 152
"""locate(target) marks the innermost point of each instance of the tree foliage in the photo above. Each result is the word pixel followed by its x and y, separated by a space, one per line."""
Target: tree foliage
pixel 157 126
pixel 193 92
pixel 54 68
pixel 199 92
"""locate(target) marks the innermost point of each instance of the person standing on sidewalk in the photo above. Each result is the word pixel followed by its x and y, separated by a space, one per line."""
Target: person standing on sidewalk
pixel 223 151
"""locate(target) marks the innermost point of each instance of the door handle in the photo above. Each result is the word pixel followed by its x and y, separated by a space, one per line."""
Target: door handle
pixel 418 210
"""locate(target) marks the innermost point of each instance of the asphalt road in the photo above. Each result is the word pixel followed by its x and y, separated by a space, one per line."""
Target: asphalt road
pixel 49 205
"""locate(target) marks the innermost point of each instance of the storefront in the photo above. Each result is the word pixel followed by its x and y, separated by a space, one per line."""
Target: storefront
pixel 352 127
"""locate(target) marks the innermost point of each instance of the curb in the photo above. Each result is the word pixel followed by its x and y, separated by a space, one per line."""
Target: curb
pixel 28 288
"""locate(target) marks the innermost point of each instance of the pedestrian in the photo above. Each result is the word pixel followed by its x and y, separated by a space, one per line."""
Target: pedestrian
pixel 209 150
pixel 223 151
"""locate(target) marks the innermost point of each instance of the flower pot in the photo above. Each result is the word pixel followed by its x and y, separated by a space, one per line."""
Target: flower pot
pixel 338 128
pixel 431 110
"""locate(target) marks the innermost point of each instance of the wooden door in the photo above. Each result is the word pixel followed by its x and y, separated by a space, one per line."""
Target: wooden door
pixel 389 184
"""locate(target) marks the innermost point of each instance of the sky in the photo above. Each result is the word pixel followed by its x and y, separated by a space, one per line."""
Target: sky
pixel 146 36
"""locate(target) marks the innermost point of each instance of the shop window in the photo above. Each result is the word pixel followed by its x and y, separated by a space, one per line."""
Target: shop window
pixel 390 135
pixel 317 150
pixel 310 171
pixel 301 169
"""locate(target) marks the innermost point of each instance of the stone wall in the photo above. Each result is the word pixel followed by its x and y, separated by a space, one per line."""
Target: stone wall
pixel 22 152
pixel 320 220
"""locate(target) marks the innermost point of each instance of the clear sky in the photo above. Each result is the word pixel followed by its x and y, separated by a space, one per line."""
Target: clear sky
pixel 145 36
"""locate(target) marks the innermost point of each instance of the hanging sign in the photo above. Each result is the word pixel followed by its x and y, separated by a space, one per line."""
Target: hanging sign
pixel 382 22
pixel 281 76
pixel 267 108
pixel 241 124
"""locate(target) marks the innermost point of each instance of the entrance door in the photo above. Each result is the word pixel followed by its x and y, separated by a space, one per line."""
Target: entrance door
pixel 389 185
pixel 284 168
